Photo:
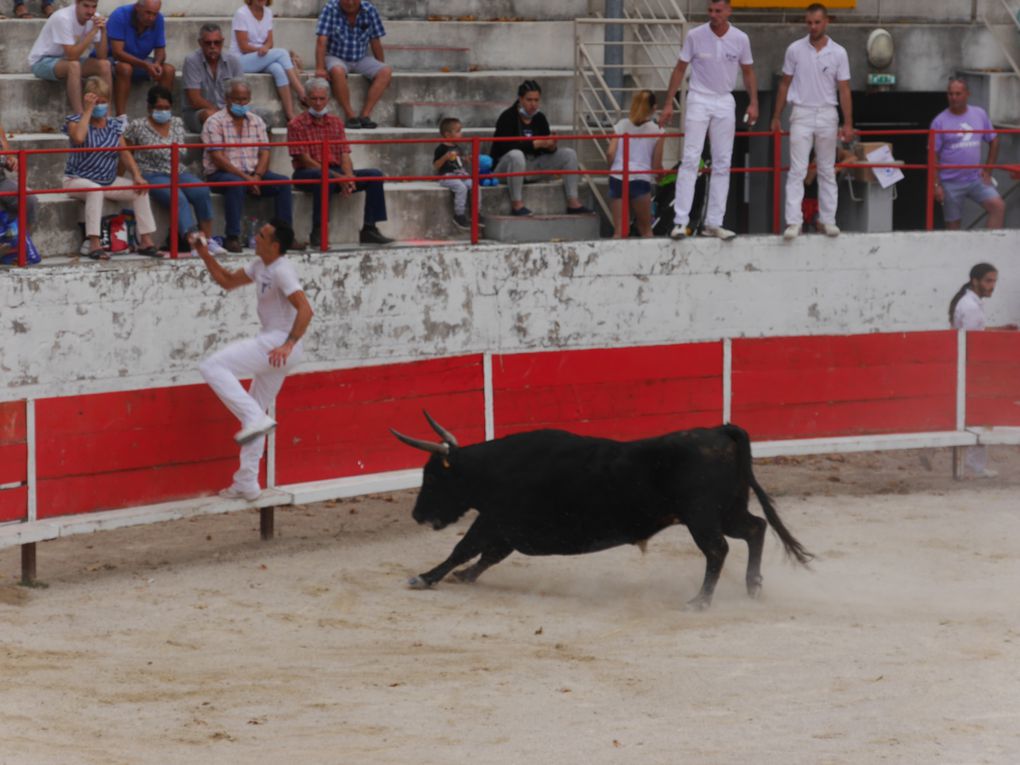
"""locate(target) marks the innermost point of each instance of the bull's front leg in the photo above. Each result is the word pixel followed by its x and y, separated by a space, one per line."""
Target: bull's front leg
pixel 476 539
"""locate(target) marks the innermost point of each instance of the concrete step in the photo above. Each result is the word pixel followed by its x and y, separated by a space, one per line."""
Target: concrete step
pixel 38 106
pixel 490 45
pixel 421 114
pixel 426 58
pixel 417 211
pixel 541 228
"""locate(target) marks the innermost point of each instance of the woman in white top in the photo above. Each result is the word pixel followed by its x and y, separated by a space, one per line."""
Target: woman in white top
pixel 644 156
pixel 253 38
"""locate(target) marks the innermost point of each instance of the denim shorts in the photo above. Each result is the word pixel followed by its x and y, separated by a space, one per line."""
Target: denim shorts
pixel 955 192
pixel 43 68
pixel 637 188
pixel 368 66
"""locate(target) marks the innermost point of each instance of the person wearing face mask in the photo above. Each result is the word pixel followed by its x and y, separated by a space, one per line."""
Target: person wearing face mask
pixel 236 124
pixel 162 128
pixel 98 169
pixel 535 149
pixel 315 125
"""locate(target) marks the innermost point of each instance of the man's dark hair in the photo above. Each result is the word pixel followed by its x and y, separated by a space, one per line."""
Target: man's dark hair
pixel 817 7
pixel 283 234
pixel 979 272
pixel 527 86
pixel 157 92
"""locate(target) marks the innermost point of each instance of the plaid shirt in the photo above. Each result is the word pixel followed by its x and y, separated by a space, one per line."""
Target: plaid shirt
pixel 305 127
pixel 220 128
pixel 346 42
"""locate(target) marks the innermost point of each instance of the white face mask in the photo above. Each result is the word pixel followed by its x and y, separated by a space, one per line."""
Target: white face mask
pixel 317 113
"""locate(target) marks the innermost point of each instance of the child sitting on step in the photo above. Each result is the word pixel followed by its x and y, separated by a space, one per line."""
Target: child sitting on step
pixel 449 162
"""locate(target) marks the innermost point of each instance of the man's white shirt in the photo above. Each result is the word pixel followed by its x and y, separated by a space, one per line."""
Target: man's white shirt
pixel 715 61
pixel 815 72
pixel 274 284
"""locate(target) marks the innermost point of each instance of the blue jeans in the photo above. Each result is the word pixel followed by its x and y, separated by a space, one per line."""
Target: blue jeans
pixel 186 199
pixel 234 198
pixel 375 194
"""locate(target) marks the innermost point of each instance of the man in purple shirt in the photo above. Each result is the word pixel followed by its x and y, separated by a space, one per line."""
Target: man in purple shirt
pixel 964 148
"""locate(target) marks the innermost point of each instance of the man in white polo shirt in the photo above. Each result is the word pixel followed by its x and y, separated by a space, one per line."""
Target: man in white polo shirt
pixel 714 51
pixel 816 76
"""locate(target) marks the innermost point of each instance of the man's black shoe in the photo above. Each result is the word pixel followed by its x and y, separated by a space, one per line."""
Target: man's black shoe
pixel 232 244
pixel 372 235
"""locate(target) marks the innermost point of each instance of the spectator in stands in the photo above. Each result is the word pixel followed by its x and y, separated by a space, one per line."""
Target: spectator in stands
pixel 206 73
pixel 98 169
pixel 59 52
pixel 252 28
pixel 966 311
pixel 137 49
pixel 816 76
pixel 536 149
pixel 644 155
pixel 162 128
pixel 21 12
pixel 9 162
pixel 448 161
pixel 237 124
pixel 344 34
pixel 964 148
pixel 715 52
pixel 315 125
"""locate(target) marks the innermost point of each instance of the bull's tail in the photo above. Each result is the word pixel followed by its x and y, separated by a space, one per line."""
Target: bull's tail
pixel 793 548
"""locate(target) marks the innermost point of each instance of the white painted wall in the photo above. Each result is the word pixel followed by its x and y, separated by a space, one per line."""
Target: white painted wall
pixel 85 328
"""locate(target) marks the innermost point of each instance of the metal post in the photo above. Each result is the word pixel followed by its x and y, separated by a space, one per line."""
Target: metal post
pixel 323 201
pixel 28 571
pixel 625 192
pixel 612 57
pixel 929 196
pixel 175 164
pixel 476 192
pixel 22 210
pixel 266 522
pixel 777 179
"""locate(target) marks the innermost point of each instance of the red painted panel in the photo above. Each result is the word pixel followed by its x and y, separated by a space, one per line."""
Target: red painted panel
pixel 14 504
pixel 129 448
pixel 804 387
pixel 335 424
pixel 617 393
pixel 13 442
pixel 993 378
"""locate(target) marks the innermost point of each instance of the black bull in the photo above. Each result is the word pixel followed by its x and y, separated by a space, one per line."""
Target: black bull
pixel 549 492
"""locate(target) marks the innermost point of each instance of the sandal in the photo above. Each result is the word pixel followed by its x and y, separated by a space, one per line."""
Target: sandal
pixel 99 254
pixel 149 252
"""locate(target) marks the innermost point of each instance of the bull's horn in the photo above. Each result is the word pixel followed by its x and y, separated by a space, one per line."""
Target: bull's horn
pixel 444 434
pixel 425 446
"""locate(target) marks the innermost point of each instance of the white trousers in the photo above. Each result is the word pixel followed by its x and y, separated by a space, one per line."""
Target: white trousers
pixel 224 371
pixel 94 203
pixel 716 117
pixel 817 127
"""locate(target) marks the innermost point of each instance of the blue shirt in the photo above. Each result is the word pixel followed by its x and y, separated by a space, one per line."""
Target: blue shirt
pixel 97 166
pixel 347 42
pixel 121 26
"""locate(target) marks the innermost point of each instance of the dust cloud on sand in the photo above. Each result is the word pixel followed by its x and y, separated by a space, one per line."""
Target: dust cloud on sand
pixel 194 642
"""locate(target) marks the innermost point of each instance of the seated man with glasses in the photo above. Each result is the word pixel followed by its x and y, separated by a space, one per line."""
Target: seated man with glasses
pixel 206 72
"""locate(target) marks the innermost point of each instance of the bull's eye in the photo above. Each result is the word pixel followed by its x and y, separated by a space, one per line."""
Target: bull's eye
pixel 446 463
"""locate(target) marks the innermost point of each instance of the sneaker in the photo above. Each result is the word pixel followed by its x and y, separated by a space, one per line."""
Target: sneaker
pixel 678 232
pixel 232 244
pixel 792 232
pixel 233 492
pixel 367 123
pixel 720 233
pixel 353 123
pixel 462 222
pixel 830 229
pixel 214 247
pixel 520 212
pixel 372 235
pixel 246 435
pixel 582 210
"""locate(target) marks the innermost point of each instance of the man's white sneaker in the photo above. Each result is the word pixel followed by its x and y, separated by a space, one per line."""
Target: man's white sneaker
pixel 792 232
pixel 830 229
pixel 720 233
pixel 215 248
pixel 257 430
pixel 232 492
pixel 678 233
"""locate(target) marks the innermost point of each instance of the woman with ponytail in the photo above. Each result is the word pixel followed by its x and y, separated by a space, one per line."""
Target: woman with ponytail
pixel 644 157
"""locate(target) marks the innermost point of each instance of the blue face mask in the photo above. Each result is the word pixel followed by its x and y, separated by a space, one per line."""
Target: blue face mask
pixel 162 116
pixel 99 110
pixel 239 110
pixel 524 112
pixel 317 113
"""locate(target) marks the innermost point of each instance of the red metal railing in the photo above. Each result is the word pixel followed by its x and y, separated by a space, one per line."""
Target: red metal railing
pixel 776 169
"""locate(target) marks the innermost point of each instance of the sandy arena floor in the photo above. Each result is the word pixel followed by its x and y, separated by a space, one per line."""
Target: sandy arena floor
pixel 194 642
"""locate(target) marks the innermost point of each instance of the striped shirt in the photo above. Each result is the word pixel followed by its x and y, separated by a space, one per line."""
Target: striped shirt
pixel 97 166
pixel 221 128
pixel 349 42
pixel 305 127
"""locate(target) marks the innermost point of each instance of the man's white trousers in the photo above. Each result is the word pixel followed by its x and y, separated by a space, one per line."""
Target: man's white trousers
pixel 817 127
pixel 714 116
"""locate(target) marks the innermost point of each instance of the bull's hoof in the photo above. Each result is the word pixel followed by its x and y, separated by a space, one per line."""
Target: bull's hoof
pixel 754 591
pixel 417 583
pixel 697 604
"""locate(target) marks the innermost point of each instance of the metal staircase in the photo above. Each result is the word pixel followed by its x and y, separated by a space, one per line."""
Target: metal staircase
pixel 1002 19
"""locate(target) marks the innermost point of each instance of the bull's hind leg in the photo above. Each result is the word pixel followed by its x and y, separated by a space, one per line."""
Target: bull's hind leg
pixel 493 554
pixel 740 524
pixel 713 544
pixel 479 538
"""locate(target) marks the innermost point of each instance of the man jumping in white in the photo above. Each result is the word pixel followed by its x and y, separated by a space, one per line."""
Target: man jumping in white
pixel 815 69
pixel 714 52
pixel 285 314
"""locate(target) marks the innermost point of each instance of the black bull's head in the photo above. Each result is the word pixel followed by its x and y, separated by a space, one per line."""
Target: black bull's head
pixel 441 500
